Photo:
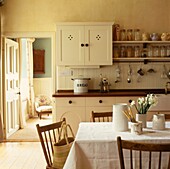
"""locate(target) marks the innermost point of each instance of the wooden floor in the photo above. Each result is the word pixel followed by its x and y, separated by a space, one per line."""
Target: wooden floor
pixel 23 150
pixel 21 155
pixel 29 133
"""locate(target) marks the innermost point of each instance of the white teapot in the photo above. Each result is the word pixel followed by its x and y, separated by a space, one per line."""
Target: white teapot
pixel 158 122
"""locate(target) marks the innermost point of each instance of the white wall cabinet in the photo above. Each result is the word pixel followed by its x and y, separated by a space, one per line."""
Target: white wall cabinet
pixel 84 44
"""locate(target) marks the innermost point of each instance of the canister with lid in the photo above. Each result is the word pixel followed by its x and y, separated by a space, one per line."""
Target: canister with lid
pixel 122 51
pixel 150 51
pixel 137 36
pixel 129 35
pixel 116 51
pixel 163 51
pixel 122 34
pixel 168 51
pixel 137 51
pixel 80 85
pixel 155 51
pixel 129 51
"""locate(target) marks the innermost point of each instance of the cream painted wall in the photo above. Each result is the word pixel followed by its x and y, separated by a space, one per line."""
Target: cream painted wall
pixel 42 15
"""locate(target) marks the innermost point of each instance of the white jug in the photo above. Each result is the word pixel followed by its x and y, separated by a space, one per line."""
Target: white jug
pixel 120 121
pixel 158 122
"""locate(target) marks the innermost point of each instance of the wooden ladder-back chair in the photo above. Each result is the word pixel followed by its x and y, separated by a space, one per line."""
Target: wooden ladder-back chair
pixel 101 116
pixel 48 135
pixel 139 148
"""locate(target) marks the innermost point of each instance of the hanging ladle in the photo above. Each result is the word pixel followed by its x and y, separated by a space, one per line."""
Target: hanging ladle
pixel 118 79
pixel 129 75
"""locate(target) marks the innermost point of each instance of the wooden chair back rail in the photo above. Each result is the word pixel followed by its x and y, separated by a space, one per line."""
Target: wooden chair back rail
pixel 49 134
pixel 101 116
pixel 141 147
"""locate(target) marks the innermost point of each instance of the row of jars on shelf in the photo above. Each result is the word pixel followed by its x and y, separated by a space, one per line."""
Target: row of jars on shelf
pixel 136 35
pixel 138 51
pixel 129 35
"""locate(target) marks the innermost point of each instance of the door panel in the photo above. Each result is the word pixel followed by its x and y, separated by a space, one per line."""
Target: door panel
pixel 11 88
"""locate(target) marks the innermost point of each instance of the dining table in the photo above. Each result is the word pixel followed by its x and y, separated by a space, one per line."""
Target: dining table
pixel 95 145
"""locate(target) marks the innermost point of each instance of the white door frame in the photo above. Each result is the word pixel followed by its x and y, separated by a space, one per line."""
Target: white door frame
pixel 50 35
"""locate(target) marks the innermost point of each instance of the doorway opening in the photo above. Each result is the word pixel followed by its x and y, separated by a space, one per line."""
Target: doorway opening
pixel 29 132
pixel 41 86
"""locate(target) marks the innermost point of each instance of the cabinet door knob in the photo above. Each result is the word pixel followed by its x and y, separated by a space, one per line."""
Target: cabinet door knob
pixel 69 101
pixel 100 101
pixel 86 44
pixel 82 45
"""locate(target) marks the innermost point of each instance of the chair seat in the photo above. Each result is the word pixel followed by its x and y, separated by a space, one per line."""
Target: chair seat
pixel 43 105
pixel 44 108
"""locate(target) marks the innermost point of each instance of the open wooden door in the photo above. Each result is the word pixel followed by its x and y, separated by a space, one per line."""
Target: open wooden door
pixel 11 87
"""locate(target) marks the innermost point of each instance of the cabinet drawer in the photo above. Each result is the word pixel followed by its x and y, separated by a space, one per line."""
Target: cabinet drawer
pixel 126 99
pixel 71 102
pixel 100 101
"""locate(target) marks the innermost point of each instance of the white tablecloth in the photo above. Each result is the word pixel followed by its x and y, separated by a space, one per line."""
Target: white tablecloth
pixel 95 145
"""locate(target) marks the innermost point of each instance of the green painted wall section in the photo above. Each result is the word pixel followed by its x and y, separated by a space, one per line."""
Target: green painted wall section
pixel 44 43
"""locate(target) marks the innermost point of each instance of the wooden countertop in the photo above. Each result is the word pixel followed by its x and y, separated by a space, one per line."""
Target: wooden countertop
pixel 97 93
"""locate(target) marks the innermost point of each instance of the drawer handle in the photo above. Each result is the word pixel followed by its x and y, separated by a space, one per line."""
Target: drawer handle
pixel 82 45
pixel 100 101
pixel 69 101
pixel 86 44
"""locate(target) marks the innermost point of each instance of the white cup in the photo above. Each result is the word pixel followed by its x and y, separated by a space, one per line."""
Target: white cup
pixel 136 128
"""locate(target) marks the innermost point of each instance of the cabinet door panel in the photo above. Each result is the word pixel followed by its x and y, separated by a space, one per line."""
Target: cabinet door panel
pixel 70 102
pixel 100 101
pixel 99 50
pixel 69 50
pixel 73 116
pixel 125 99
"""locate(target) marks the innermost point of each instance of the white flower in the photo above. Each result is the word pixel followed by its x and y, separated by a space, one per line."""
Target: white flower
pixel 132 103
pixel 144 103
pixel 140 100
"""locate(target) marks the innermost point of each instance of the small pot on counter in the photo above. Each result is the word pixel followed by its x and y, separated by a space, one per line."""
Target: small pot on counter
pixel 80 85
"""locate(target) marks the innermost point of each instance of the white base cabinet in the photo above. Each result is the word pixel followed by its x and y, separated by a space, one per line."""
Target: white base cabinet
pixel 78 109
pixel 73 109
pixel 98 104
